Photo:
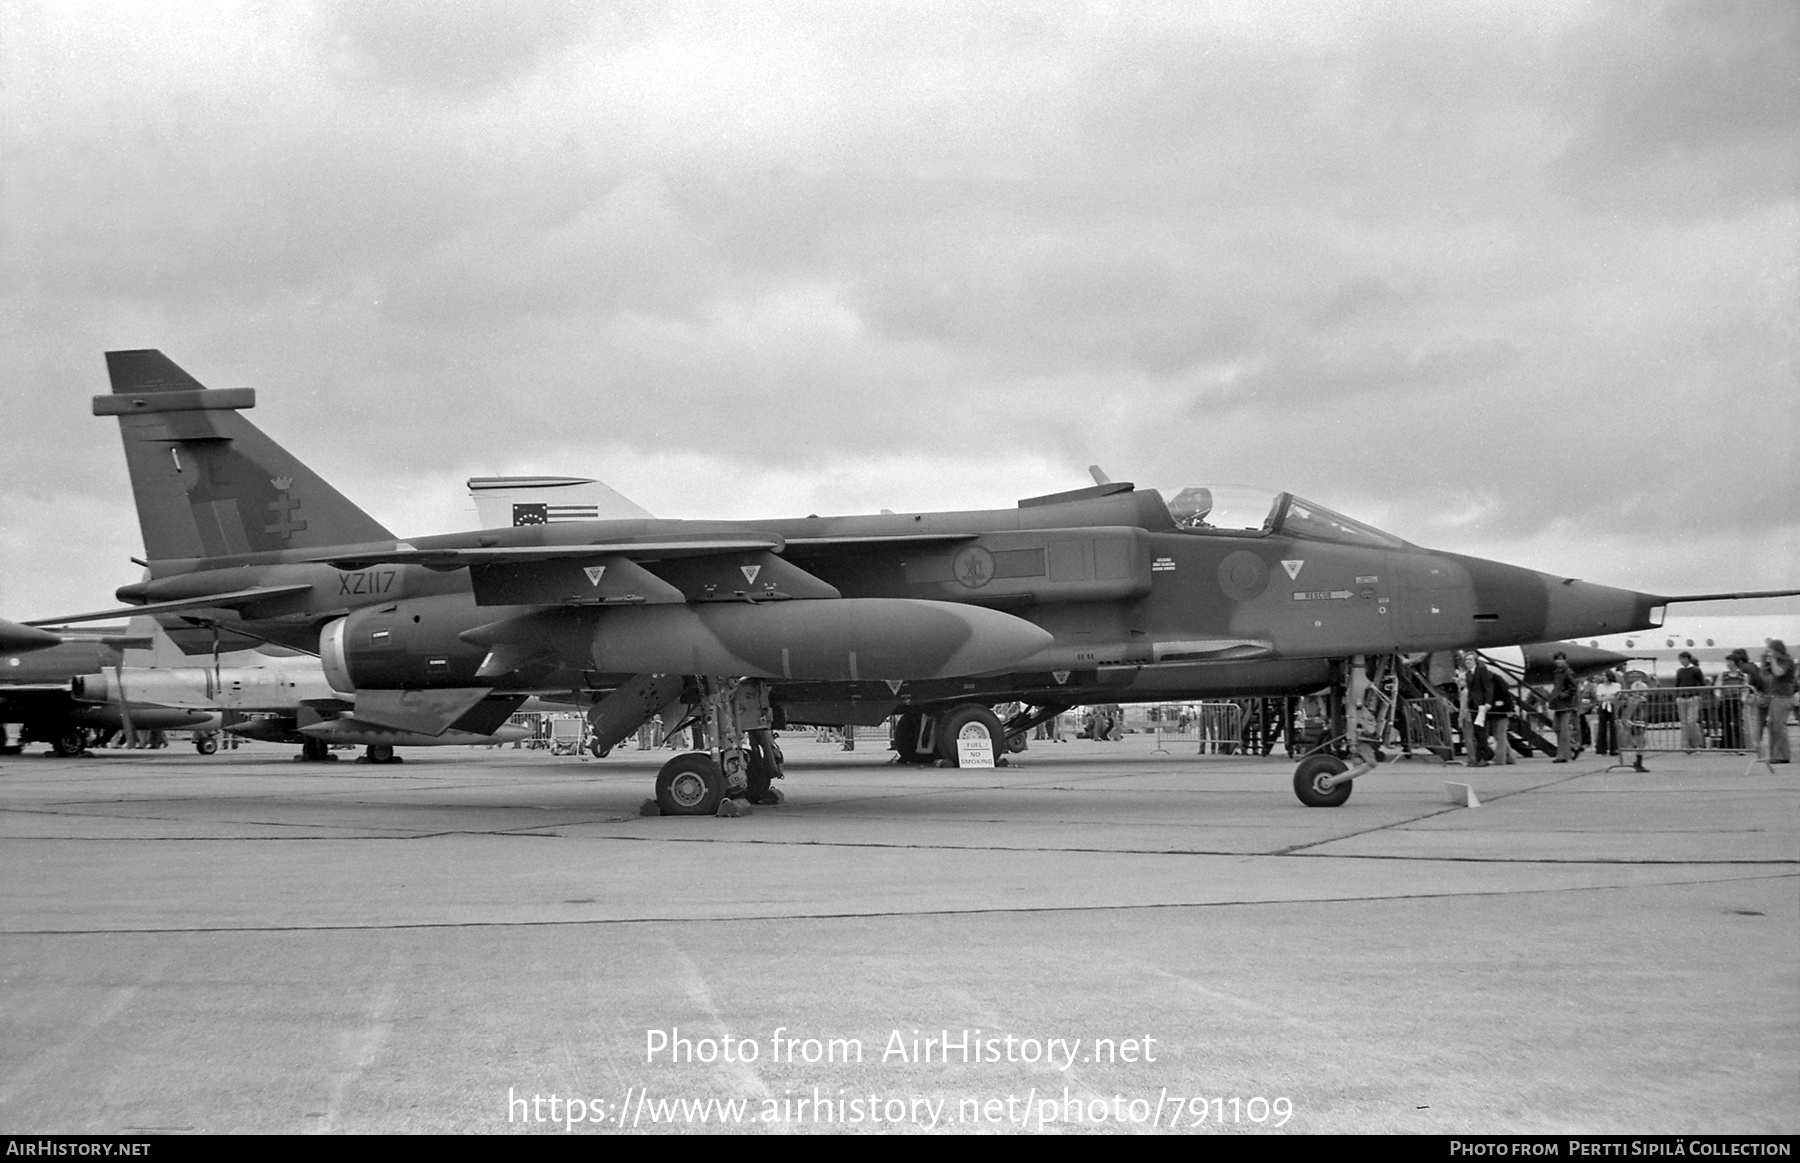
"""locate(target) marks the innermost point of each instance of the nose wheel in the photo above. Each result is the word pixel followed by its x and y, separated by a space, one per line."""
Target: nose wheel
pixel 690 785
pixel 1312 781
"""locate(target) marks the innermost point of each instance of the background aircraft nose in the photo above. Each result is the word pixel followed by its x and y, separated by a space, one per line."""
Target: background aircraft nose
pixel 1539 659
pixel 17 639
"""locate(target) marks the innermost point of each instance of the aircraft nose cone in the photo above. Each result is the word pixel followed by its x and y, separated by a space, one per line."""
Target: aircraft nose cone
pixel 1512 605
pixel 1578 609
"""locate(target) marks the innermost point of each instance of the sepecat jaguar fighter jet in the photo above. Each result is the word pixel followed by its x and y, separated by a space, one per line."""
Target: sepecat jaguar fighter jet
pixel 1106 593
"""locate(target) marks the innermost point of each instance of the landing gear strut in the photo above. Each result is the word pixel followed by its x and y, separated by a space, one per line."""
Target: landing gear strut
pixel 741 759
pixel 1362 699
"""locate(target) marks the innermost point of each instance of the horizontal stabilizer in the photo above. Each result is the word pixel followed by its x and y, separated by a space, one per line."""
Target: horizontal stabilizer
pixel 231 600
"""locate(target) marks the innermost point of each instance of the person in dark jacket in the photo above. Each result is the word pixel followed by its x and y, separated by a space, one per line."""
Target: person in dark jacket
pixel 1689 682
pixel 1490 704
pixel 1565 702
pixel 1474 675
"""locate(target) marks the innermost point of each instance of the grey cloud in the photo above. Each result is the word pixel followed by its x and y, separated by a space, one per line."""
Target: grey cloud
pixel 1313 371
pixel 1356 300
pixel 462 49
pixel 1686 109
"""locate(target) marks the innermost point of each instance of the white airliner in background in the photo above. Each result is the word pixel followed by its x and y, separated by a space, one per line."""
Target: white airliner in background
pixel 1708 637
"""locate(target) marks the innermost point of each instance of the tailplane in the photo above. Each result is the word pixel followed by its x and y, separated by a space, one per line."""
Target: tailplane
pixel 207 482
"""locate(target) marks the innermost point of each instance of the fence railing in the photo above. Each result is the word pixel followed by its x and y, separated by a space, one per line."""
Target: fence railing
pixel 1679 719
pixel 1214 729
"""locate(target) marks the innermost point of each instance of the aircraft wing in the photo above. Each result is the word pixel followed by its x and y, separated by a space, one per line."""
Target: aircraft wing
pixel 629 571
pixel 229 600
pixel 528 554
pixel 461 558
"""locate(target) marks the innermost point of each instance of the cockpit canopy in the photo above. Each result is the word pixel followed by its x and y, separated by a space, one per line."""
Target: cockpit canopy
pixel 1237 511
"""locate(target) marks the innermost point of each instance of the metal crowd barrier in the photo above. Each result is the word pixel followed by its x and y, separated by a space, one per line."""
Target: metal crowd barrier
pixel 1217 729
pixel 1684 719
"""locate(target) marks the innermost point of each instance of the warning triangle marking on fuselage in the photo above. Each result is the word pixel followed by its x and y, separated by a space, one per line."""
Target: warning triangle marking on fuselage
pixel 594 573
pixel 750 572
pixel 1293 568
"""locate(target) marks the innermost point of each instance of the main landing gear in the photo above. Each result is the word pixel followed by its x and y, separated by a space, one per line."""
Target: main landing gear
pixel 741 760
pixel 938 736
pixel 1360 705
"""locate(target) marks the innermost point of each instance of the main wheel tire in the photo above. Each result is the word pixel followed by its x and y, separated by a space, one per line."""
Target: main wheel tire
pixel 690 785
pixel 1308 775
pixel 1016 742
pixel 381 753
pixel 70 743
pixel 970 718
pixel 207 745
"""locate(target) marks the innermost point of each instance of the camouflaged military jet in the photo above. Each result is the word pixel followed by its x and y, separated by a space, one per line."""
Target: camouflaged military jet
pixel 1102 594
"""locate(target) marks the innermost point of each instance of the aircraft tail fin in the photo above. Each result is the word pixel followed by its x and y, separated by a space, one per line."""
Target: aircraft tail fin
pixel 506 501
pixel 208 483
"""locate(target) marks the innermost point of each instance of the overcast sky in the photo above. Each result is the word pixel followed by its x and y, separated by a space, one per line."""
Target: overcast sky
pixel 1514 279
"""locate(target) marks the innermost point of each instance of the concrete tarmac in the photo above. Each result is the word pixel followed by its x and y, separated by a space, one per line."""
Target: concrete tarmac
pixel 1098 938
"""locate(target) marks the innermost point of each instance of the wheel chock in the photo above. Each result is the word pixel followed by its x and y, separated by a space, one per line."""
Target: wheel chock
pixel 649 808
pixel 1462 794
pixel 730 809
